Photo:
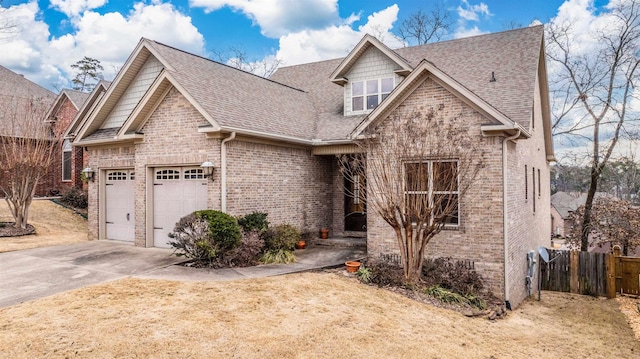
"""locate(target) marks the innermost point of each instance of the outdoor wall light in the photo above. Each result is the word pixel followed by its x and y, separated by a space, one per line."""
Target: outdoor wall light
pixel 89 173
pixel 207 166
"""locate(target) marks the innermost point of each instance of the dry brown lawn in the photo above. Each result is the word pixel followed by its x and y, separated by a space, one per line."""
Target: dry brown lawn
pixel 54 225
pixel 309 315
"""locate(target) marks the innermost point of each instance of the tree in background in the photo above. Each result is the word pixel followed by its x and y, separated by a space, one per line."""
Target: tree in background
pixel 424 26
pixel 595 85
pixel 238 58
pixel 613 222
pixel 88 74
pixel 415 177
pixel 27 148
pixel 8 25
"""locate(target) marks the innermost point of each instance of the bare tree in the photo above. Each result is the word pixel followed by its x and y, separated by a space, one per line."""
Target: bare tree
pixel 594 88
pixel 8 25
pixel 27 147
pixel 238 58
pixel 418 169
pixel 613 222
pixel 424 26
pixel 88 74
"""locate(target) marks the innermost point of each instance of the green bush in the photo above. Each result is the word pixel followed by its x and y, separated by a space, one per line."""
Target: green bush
pixel 190 237
pixel 281 237
pixel 223 229
pixel 255 221
pixel 75 198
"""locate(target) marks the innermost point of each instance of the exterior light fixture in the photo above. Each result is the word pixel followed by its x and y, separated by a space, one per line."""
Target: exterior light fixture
pixel 89 173
pixel 208 167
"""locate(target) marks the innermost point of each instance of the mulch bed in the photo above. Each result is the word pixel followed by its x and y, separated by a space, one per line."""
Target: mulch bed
pixel 8 230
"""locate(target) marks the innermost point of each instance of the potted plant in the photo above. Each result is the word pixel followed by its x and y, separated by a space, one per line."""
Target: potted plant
pixel 301 244
pixel 352 266
pixel 324 233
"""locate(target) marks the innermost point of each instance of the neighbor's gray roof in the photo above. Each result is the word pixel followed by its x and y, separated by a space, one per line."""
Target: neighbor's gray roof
pixel 238 99
pixel 512 55
pixel 566 202
pixel 16 90
pixel 77 97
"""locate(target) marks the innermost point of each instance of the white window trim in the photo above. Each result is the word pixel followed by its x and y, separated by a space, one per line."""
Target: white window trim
pixel 430 192
pixel 365 94
pixel 67 149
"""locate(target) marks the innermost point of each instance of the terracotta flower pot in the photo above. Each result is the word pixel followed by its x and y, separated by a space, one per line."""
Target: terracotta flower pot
pixel 352 267
pixel 301 244
pixel 324 233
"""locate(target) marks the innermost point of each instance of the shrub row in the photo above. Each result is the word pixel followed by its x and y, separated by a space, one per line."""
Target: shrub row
pixel 215 239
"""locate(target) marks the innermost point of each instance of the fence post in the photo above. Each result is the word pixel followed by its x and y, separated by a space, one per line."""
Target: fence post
pixel 617 269
pixel 574 284
pixel 611 275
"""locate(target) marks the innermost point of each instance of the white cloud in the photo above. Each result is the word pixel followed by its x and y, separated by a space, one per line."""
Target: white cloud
pixel 277 18
pixel 108 37
pixel 74 8
pixel 464 32
pixel 470 13
pixel 312 45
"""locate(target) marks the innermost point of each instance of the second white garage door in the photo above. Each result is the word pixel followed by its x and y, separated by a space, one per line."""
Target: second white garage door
pixel 177 191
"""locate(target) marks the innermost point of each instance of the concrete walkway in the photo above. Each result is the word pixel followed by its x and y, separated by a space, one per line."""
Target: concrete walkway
pixel 36 273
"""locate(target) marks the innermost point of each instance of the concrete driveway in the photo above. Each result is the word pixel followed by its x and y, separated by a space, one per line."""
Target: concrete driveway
pixel 35 273
pixel 39 272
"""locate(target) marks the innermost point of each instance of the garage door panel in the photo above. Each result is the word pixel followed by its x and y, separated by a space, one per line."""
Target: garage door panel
pixel 120 205
pixel 177 192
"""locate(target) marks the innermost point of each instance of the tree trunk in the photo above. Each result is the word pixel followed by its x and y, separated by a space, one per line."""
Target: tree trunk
pixel 586 219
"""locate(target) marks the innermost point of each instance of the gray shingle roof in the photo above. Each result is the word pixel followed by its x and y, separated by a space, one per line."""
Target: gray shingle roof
pixel 566 202
pixel 77 97
pixel 512 55
pixel 15 91
pixel 238 99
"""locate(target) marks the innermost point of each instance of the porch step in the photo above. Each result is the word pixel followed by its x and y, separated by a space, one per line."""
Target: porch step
pixel 340 242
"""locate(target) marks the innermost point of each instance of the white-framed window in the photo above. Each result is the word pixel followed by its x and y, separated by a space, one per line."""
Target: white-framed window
pixel 194 174
pixel 66 160
pixel 433 183
pixel 366 95
pixel 168 174
pixel 116 176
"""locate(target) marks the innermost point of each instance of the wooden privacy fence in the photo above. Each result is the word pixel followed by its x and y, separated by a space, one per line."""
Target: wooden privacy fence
pixel 578 272
pixel 587 273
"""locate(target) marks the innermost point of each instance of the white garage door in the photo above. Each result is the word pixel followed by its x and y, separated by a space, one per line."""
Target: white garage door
pixel 177 191
pixel 120 209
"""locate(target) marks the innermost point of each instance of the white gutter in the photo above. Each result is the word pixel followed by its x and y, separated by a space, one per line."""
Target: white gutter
pixel 504 215
pixel 223 171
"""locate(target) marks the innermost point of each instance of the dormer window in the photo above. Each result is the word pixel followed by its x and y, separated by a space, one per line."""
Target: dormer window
pixel 369 93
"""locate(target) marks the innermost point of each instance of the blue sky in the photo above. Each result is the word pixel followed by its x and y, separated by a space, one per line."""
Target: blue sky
pixel 54 34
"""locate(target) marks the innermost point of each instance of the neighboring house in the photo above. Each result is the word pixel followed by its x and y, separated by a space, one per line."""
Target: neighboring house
pixel 74 105
pixel 15 92
pixel 68 168
pixel 562 205
pixel 273 143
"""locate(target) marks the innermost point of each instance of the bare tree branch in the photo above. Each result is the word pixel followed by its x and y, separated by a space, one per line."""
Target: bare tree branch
pixel 238 58
pixel 426 26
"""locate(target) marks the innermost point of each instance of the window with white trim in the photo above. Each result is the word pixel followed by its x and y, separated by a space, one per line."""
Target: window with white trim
pixel 116 176
pixel 194 174
pixel 167 174
pixel 430 184
pixel 66 160
pixel 366 95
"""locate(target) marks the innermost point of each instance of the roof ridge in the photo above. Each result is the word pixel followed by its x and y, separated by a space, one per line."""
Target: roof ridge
pixel 222 64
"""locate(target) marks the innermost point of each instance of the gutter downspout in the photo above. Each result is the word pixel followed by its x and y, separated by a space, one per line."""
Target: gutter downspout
pixel 223 171
pixel 504 215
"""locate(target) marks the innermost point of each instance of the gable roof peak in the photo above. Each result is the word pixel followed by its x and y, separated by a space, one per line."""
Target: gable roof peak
pixel 365 43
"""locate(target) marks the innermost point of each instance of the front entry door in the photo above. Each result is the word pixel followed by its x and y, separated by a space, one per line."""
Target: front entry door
pixel 354 205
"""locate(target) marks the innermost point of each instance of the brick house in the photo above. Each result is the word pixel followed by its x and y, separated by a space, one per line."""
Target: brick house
pixel 274 142
pixel 68 166
pixel 15 92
